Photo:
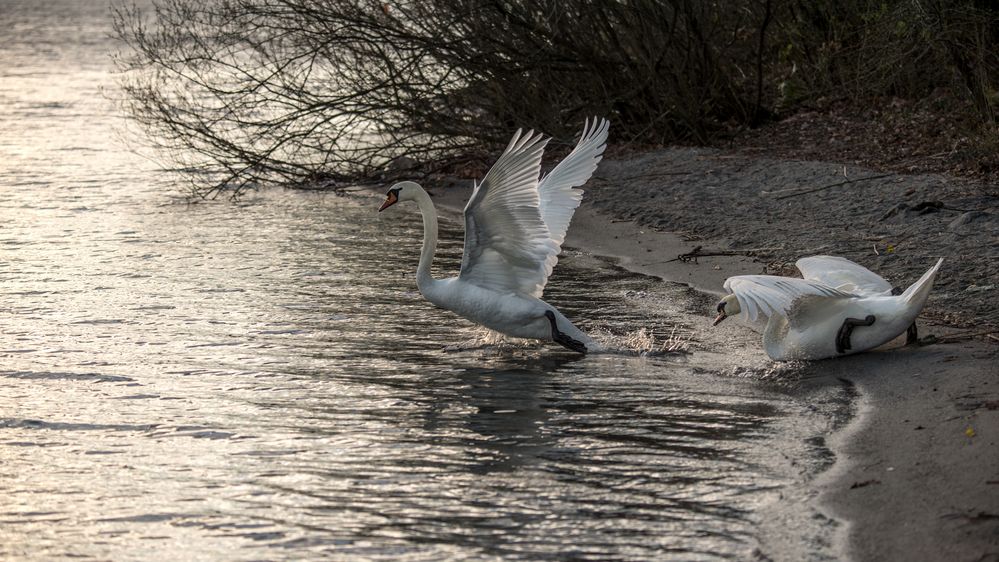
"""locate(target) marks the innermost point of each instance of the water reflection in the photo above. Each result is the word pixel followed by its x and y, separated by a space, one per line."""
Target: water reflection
pixel 262 380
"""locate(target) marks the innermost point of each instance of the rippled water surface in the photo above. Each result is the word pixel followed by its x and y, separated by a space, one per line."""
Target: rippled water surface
pixel 260 380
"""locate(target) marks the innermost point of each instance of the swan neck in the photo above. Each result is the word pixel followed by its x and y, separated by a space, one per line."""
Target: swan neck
pixel 423 277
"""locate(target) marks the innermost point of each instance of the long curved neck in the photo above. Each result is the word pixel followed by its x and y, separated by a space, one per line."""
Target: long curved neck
pixel 423 278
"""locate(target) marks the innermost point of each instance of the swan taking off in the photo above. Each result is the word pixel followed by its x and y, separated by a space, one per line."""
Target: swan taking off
pixel 839 308
pixel 514 229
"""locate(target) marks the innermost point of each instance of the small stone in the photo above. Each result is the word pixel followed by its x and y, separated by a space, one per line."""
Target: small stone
pixel 966 219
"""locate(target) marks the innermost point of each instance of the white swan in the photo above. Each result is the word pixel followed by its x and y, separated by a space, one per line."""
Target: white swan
pixel 839 308
pixel 514 229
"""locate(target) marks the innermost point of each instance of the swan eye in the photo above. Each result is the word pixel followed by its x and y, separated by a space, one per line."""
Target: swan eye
pixel 721 307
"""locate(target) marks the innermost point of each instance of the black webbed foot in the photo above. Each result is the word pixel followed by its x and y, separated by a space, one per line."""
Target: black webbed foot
pixel 911 335
pixel 562 339
pixel 846 330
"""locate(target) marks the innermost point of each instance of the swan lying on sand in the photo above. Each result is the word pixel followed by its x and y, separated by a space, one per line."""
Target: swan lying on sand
pixel 839 308
pixel 514 229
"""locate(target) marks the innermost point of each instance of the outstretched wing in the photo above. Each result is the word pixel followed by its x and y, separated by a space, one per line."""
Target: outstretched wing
pixel 843 274
pixel 558 198
pixel 507 243
pixel 762 296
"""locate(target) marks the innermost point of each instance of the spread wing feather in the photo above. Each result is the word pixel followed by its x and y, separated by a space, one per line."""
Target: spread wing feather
pixel 844 274
pixel 558 198
pixel 762 296
pixel 514 224
pixel 506 240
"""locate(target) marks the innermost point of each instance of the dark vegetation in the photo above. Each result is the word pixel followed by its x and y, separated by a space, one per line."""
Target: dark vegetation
pixel 321 93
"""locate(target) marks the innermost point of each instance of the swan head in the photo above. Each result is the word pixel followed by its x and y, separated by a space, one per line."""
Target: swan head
pixel 728 306
pixel 402 191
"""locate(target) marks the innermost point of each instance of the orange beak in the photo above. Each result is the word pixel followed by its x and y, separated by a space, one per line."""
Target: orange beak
pixel 389 201
pixel 721 316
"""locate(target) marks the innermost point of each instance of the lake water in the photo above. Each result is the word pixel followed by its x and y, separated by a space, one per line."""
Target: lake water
pixel 261 381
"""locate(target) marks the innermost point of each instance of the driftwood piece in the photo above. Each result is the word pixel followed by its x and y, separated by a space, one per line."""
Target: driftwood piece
pixel 649 176
pixel 962 336
pixel 700 252
pixel 827 186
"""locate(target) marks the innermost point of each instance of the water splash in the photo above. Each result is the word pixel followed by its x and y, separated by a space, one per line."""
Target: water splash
pixel 771 371
pixel 644 343
pixel 639 343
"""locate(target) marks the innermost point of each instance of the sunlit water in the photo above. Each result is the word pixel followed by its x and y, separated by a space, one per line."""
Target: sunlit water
pixel 261 381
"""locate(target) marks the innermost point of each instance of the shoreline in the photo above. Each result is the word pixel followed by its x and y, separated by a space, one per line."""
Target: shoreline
pixel 914 475
pixel 894 497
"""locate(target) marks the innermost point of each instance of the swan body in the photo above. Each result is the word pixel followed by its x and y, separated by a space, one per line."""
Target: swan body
pixel 514 315
pixel 839 308
pixel 515 223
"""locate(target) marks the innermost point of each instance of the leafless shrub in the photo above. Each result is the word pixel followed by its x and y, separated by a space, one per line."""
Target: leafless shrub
pixel 905 48
pixel 320 93
pixel 296 90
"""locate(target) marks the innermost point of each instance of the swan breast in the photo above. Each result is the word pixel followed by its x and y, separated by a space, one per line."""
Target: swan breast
pixel 512 314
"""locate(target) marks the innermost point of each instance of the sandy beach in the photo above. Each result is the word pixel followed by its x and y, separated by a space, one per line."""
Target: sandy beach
pixel 916 469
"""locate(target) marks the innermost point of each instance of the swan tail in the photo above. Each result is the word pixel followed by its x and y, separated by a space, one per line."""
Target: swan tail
pixel 919 291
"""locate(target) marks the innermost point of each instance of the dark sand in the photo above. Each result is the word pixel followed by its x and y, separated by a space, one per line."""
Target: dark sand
pixel 916 475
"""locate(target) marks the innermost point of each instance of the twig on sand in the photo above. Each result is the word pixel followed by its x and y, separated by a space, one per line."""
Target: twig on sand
pixel 641 176
pixel 698 252
pixel 922 208
pixel 814 189
pixel 958 337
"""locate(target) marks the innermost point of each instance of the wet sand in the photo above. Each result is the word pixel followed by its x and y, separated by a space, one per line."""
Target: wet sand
pixel 916 470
